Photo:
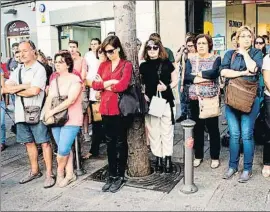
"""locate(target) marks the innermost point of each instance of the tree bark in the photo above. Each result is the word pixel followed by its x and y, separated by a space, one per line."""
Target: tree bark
pixel 125 29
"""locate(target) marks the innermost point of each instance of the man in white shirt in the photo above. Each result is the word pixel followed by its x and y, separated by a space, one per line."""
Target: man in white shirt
pixel 92 67
pixel 28 83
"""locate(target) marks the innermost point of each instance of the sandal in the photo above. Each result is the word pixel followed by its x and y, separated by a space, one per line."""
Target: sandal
pixel 67 181
pixel 49 182
pixel 87 156
pixel 30 177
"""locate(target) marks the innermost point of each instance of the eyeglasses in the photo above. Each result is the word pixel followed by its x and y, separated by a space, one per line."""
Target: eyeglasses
pixel 243 36
pixel 202 43
pixel 261 43
pixel 59 62
pixel 189 46
pixel 155 48
pixel 111 51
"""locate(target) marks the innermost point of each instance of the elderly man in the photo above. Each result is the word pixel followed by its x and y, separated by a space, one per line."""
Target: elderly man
pixel 28 83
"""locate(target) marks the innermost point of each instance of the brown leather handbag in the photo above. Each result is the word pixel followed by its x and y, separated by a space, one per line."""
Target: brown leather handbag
pixel 95 111
pixel 240 93
pixel 59 119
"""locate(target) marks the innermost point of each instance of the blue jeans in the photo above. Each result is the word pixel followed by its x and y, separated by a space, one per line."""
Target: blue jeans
pixel 3 122
pixel 184 104
pixel 64 138
pixel 241 125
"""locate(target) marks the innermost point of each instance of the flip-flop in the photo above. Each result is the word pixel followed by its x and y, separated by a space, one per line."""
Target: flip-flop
pixel 49 182
pixel 30 177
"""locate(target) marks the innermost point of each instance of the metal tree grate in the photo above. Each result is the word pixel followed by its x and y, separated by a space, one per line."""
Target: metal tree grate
pixel 155 181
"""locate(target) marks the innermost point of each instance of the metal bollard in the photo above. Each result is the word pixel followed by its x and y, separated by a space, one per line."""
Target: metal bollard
pixel 189 186
pixel 79 170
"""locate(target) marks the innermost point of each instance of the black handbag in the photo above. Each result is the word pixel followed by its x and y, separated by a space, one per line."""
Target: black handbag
pixel 132 101
pixel 59 119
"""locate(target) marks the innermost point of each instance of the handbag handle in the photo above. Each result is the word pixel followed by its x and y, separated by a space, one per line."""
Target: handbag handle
pixel 57 87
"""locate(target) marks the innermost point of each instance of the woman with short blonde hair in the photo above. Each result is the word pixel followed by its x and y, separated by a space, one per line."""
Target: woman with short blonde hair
pixel 244 63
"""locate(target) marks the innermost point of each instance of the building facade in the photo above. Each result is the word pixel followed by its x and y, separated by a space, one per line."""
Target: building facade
pixel 51 24
pixel 18 22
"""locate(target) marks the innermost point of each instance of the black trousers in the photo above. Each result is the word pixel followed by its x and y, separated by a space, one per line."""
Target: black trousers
pixel 97 134
pixel 115 129
pixel 213 130
pixel 266 149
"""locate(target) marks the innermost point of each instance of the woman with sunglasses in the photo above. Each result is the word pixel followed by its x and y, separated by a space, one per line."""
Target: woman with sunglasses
pixel 202 72
pixel 159 75
pixel 98 134
pixel 69 85
pixel 259 43
pixel 113 78
pixel 246 63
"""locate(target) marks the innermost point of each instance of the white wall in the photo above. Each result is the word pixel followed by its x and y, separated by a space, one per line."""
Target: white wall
pixel 172 24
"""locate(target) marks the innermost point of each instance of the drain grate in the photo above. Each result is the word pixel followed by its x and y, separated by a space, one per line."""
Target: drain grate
pixel 155 181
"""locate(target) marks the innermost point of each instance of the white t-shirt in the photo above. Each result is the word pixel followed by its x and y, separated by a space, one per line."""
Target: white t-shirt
pixel 36 75
pixel 92 69
pixel 266 67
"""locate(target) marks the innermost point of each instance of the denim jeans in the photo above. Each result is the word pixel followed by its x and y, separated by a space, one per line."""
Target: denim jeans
pixel 184 104
pixel 3 122
pixel 64 137
pixel 241 125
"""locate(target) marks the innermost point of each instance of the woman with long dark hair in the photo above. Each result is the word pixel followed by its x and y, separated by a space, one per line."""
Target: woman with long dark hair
pixel 113 78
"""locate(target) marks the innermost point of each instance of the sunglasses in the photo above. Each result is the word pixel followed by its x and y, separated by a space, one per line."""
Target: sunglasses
pixel 261 43
pixel 111 51
pixel 155 48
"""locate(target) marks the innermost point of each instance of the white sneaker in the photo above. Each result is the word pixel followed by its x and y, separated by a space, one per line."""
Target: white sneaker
pixel 197 162
pixel 215 164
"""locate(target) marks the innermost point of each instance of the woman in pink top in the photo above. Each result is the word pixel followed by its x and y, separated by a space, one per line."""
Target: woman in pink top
pixel 71 86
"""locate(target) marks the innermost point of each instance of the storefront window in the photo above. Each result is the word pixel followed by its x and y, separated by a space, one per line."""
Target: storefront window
pixel 81 32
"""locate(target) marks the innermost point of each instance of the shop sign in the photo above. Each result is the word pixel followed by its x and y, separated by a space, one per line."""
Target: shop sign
pixel 219 43
pixel 235 23
pixel 18 28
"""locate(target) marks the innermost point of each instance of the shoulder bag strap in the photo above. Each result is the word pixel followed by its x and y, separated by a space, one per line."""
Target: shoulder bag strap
pixel 233 57
pixel 57 87
pixel 20 82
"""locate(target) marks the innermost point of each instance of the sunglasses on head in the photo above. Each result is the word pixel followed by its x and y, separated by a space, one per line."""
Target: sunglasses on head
pixel 261 43
pixel 155 48
pixel 111 51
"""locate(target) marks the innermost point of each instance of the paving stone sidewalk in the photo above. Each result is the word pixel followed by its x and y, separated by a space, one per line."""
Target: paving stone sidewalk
pixel 214 194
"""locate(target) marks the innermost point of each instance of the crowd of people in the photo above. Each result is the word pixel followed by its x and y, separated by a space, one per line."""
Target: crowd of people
pixel 57 97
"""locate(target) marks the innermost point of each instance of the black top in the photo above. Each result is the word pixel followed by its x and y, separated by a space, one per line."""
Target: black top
pixel 150 78
pixel 48 70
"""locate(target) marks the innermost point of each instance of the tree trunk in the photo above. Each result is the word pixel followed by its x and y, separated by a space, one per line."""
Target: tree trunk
pixel 125 29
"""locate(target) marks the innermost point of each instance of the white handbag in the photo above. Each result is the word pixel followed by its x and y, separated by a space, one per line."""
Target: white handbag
pixel 157 106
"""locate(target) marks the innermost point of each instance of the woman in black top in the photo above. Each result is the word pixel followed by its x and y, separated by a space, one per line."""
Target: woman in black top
pixel 159 74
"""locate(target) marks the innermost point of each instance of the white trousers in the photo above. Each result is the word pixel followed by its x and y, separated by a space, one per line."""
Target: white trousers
pixel 160 133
